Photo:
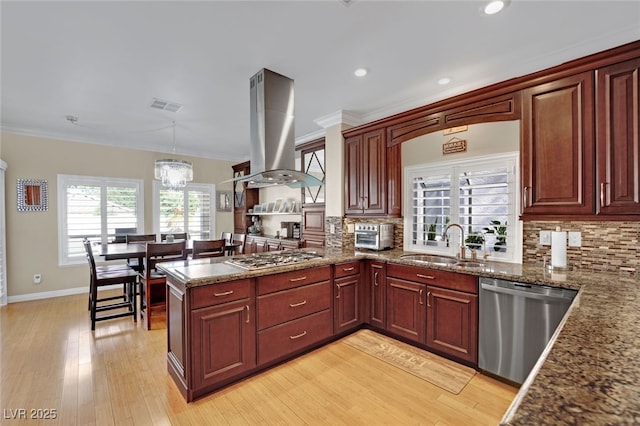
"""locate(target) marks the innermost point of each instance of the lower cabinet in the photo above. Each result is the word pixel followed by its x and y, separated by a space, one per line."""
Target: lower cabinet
pixel 294 312
pixel 436 308
pixel 224 341
pixel 406 309
pixel 376 296
pixel 348 297
pixel 452 326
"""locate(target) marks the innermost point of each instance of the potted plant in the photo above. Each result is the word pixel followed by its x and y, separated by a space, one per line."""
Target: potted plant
pixel 431 230
pixel 474 241
pixel 498 229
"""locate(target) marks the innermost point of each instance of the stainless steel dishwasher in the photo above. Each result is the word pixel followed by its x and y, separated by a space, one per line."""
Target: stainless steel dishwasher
pixel 516 322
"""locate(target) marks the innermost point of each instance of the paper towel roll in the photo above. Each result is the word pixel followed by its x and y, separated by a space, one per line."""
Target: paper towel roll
pixel 559 249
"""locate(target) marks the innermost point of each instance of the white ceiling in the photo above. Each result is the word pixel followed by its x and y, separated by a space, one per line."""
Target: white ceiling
pixel 104 62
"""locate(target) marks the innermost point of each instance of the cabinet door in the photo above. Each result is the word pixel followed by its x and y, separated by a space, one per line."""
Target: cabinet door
pixel 374 181
pixel 223 342
pixel 347 303
pixel 452 325
pixel 618 124
pixel 353 175
pixel 557 147
pixel 365 174
pixel 406 309
pixel 377 294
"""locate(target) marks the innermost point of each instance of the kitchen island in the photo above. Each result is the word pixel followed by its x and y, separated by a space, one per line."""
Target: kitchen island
pixel 589 372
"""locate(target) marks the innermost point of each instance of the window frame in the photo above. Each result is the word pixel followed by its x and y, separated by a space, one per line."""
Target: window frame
pixel 454 167
pixel 204 187
pixel 63 181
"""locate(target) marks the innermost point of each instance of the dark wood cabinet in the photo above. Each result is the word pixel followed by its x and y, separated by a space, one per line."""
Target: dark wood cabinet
pixel 348 297
pixel 452 323
pixel 436 308
pixel 223 338
pixel 243 199
pixel 376 294
pixel 211 334
pixel 557 147
pixel 365 174
pixel 294 312
pixel 618 138
pixel 406 309
pixel 313 225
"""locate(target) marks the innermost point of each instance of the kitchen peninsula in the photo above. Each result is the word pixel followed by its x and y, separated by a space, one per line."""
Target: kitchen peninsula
pixel 589 371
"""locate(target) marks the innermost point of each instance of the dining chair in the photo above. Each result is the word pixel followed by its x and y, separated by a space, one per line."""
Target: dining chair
pixel 240 240
pixel 176 236
pixel 105 276
pixel 138 238
pixel 106 268
pixel 226 236
pixel 152 281
pixel 207 248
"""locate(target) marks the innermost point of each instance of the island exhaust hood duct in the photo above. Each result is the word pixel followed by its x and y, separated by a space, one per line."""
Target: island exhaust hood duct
pixel 272 134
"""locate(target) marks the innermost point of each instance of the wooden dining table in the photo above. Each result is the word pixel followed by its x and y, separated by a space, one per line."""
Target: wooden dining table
pixel 119 251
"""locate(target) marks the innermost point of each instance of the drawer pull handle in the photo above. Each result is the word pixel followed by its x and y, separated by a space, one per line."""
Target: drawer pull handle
pixel 428 294
pixel 224 293
pixel 428 277
pixel 420 297
pixel 297 336
pixel 295 305
pixel 247 308
pixel 348 269
pixel 297 279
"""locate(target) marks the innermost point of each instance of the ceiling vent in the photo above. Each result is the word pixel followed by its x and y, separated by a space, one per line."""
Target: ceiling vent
pixel 165 105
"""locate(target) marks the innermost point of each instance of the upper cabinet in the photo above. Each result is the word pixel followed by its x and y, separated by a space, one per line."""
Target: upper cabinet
pixel 243 199
pixel 618 127
pixel 557 147
pixel 313 198
pixel 372 175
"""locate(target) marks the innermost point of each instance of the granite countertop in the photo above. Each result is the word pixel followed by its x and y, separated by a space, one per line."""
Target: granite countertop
pixel 589 372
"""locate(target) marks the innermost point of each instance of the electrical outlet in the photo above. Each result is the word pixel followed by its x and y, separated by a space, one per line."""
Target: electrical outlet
pixel 575 239
pixel 545 238
pixel 37 278
pixel 332 228
pixel 350 228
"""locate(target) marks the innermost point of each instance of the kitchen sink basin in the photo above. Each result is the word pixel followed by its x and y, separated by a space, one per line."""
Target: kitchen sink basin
pixel 441 260
pixel 432 259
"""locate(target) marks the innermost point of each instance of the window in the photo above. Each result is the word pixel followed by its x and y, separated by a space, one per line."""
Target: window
pixel 478 194
pixel 187 210
pixel 93 207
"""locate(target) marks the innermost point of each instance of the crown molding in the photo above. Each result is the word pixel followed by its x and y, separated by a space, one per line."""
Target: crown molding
pixel 339 117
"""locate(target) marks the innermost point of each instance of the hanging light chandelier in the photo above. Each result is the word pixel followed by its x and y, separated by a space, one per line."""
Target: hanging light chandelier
pixel 174 174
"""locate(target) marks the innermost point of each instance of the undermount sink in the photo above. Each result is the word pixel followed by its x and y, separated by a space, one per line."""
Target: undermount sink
pixel 429 258
pixel 441 260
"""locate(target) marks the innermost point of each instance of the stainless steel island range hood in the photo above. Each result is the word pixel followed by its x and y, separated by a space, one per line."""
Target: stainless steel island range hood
pixel 272 134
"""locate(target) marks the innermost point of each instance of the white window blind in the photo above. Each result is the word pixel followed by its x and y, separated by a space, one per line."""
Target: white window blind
pixel 188 210
pixel 478 194
pixel 94 208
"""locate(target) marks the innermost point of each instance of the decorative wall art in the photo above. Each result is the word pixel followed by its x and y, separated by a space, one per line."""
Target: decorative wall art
pixel 33 195
pixel 223 201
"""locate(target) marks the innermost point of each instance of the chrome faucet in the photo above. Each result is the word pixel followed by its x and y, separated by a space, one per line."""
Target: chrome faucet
pixel 461 255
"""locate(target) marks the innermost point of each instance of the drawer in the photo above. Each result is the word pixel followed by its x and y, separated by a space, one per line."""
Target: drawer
pixel 216 294
pixel 444 279
pixel 285 339
pixel 282 306
pixel 347 268
pixel 287 280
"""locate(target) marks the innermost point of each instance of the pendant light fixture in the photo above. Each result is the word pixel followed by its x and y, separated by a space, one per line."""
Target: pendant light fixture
pixel 174 174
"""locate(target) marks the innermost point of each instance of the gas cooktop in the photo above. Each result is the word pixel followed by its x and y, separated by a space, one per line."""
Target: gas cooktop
pixel 269 259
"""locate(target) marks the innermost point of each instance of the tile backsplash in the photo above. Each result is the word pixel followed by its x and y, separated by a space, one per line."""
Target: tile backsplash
pixel 606 245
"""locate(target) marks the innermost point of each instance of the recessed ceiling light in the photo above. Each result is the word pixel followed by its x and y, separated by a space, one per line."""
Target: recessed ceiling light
pixel 360 72
pixel 494 7
pixel 444 80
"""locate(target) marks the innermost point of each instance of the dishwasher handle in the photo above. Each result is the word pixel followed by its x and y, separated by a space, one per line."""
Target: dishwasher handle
pixel 525 293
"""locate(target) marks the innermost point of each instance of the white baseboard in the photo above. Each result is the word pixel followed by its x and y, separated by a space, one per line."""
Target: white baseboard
pixel 56 293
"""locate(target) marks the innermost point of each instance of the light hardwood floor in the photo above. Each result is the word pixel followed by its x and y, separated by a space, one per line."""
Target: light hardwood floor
pixel 50 359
